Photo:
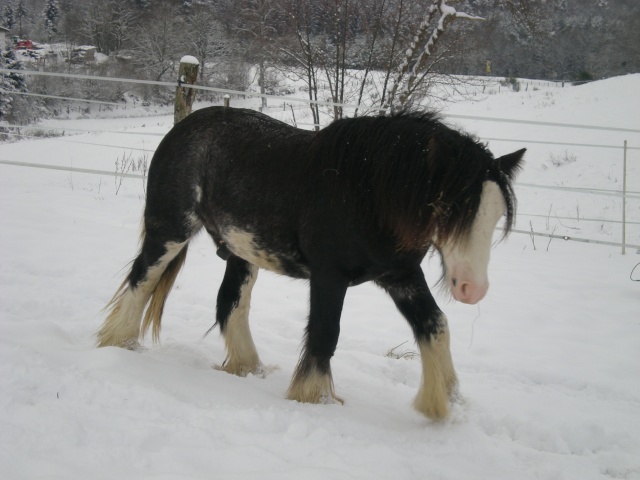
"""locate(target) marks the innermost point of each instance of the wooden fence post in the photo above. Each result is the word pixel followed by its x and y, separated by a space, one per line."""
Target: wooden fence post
pixel 187 74
pixel 226 101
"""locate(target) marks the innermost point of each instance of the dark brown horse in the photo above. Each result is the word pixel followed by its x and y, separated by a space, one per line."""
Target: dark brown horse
pixel 362 200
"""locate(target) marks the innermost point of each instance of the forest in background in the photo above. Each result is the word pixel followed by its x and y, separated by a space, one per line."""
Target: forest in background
pixel 540 39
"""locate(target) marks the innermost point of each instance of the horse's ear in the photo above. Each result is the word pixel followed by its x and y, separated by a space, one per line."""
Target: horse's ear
pixel 510 164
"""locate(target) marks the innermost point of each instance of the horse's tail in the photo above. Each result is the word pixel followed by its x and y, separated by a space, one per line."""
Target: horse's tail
pixel 153 315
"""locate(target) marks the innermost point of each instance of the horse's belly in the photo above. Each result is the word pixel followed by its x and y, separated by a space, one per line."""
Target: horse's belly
pixel 248 247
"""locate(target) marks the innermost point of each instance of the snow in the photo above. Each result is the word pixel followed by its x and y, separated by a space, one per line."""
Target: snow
pixel 447 10
pixel 549 363
pixel 190 59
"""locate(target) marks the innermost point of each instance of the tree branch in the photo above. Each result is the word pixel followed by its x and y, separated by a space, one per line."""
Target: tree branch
pixel 417 57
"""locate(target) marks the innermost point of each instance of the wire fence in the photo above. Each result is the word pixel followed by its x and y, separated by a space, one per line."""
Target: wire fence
pixel 143 177
pixel 305 100
pixel 46 132
pixel 594 191
pixel 57 97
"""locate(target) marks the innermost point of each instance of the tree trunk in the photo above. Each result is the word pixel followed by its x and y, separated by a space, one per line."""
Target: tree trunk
pixel 261 82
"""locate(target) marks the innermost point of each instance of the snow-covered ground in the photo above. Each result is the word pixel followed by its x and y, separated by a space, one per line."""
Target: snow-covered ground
pixel 549 362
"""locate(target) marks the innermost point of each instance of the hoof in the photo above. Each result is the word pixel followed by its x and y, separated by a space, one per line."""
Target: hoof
pixel 130 344
pixel 330 398
pixel 432 410
pixel 319 398
pixel 257 370
pixel 435 403
pixel 314 389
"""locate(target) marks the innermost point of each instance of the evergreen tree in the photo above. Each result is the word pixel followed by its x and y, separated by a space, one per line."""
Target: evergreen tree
pixel 10 82
pixel 21 14
pixel 8 16
pixel 51 18
pixel 141 4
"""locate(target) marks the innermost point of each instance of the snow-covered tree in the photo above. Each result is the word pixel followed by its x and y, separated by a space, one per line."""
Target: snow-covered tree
pixel 108 23
pixel 186 5
pixel 142 4
pixel 51 15
pixel 411 70
pixel 123 19
pixel 21 14
pixel 14 108
pixel 8 16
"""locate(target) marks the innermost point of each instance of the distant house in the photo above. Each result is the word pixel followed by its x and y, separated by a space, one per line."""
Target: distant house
pixel 83 54
pixel 4 38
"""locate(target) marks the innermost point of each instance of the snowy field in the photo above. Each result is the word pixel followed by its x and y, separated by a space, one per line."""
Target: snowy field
pixel 549 362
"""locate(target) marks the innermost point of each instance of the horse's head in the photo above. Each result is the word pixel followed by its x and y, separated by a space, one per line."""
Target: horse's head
pixel 466 259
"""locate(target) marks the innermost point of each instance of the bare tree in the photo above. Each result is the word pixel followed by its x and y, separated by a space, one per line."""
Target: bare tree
pixel 123 20
pixel 373 29
pixel 301 51
pixel 206 37
pixel 398 15
pixel 529 15
pixel 108 23
pixel 160 44
pixel 337 41
pixel 257 29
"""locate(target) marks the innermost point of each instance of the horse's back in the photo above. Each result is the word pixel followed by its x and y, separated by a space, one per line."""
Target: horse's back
pixel 239 174
pixel 225 151
pixel 216 128
pixel 272 194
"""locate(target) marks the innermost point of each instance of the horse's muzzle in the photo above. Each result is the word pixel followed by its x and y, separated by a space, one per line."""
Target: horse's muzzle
pixel 468 292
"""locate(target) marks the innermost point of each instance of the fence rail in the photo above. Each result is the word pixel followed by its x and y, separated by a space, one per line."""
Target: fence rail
pixel 629 195
pixel 568 238
pixel 590 191
pixel 545 124
pixel 520 141
pixel 539 234
pixel 57 97
pixel 577 219
pixel 177 84
pixel 564 144
pixel 72 169
pixel 305 100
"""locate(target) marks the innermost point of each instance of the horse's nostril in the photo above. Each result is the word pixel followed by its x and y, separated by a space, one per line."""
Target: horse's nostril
pixel 454 281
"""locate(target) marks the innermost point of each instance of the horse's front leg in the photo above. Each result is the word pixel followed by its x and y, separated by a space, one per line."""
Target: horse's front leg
pixel 232 314
pixel 414 300
pixel 312 381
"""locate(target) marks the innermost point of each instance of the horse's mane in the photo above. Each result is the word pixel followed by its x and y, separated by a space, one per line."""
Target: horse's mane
pixel 410 174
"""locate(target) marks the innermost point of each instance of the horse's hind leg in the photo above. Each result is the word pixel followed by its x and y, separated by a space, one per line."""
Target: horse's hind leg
pixel 232 314
pixel 439 382
pixel 152 275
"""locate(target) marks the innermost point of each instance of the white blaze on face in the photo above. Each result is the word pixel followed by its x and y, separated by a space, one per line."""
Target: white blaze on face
pixel 466 264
